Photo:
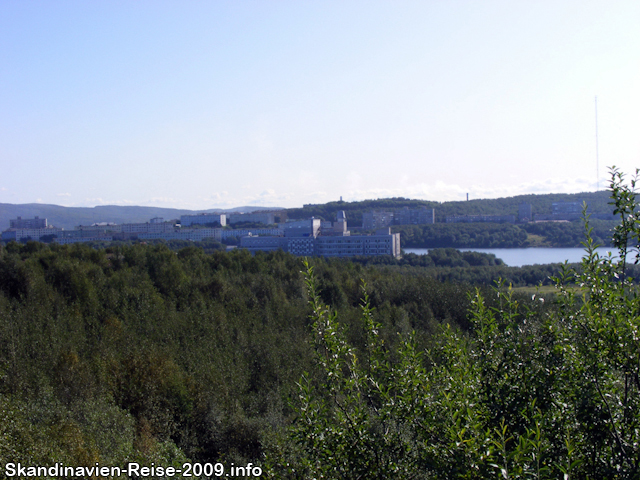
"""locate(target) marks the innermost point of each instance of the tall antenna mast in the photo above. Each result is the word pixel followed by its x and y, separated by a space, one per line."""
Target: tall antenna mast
pixel 597 158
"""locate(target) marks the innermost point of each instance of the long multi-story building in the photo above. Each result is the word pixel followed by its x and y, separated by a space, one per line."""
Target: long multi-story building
pixel 241 232
pixel 382 243
pixel 192 234
pixel 137 228
pixel 414 216
pixel 101 227
pixel 376 219
pixel 559 208
pixel 306 238
pixel 35 234
pixel 95 238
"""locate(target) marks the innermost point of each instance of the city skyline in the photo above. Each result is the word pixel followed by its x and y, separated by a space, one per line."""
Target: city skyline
pixel 218 105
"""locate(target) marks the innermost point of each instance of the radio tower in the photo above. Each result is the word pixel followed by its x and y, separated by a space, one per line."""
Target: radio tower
pixel 597 159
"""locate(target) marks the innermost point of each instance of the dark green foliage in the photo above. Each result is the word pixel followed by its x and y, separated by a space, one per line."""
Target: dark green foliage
pixel 533 390
pixel 145 353
pixel 571 234
pixel 478 235
pixel 494 235
pixel 14 280
pixel 242 225
pixel 188 353
pixel 48 238
pixel 452 266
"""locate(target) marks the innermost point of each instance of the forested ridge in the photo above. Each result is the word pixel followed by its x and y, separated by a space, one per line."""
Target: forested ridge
pixel 480 235
pixel 541 204
pixel 503 235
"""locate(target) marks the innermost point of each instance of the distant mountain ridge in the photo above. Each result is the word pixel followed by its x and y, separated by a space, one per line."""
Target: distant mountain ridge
pixel 541 204
pixel 70 217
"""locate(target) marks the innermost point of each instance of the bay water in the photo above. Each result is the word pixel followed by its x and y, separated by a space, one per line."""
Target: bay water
pixel 518 257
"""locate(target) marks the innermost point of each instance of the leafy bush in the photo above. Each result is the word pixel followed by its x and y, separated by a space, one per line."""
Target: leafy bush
pixel 529 392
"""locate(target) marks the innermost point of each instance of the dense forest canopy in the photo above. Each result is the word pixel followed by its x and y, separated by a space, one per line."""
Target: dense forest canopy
pixel 373 368
pixel 503 235
pixel 141 352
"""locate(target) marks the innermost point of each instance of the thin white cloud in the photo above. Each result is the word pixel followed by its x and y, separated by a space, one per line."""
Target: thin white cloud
pixel 163 201
pixel 268 198
pixel 272 197
pixel 92 202
pixel 63 195
pixel 441 191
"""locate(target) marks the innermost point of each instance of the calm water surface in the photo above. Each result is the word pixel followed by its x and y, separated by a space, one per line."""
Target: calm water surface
pixel 517 257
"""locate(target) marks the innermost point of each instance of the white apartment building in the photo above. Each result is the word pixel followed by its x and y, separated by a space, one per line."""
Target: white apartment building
pixel 69 240
pixel 242 232
pixel 18 234
pixel 148 227
pixel 192 234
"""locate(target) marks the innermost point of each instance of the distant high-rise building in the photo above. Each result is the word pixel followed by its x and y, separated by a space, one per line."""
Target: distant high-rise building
pixel 203 219
pixel 376 219
pixel 559 208
pixel 525 212
pixel 303 228
pixel 36 222
pixel 414 216
pixel 340 227
pixel 267 218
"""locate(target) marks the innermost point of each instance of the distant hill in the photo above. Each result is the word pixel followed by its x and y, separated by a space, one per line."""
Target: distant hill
pixel 541 204
pixel 69 217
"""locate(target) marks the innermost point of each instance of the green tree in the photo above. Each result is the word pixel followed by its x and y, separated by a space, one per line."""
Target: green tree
pixel 530 392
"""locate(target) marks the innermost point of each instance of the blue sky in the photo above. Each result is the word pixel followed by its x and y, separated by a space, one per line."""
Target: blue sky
pixel 204 104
